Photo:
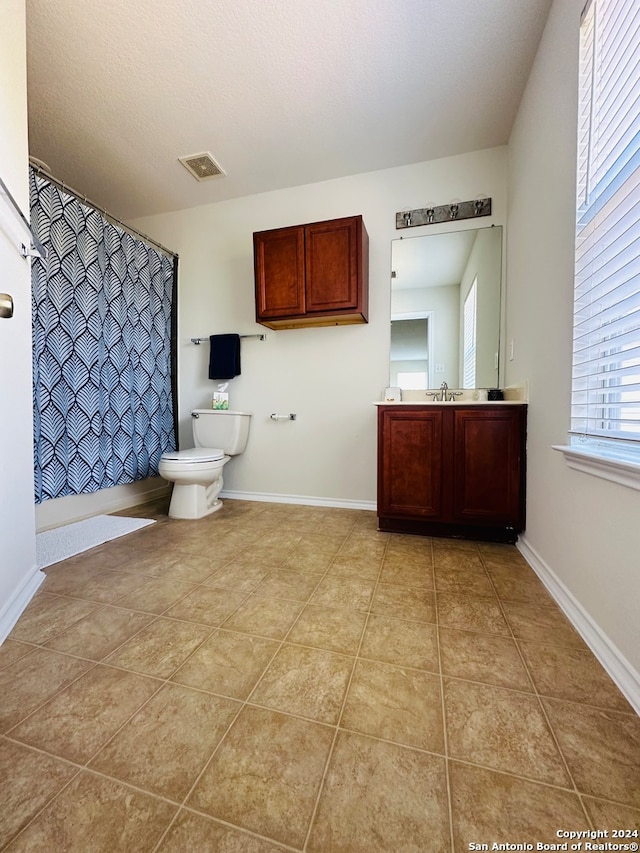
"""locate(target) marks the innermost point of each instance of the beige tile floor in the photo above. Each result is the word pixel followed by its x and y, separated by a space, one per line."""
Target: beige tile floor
pixel 279 677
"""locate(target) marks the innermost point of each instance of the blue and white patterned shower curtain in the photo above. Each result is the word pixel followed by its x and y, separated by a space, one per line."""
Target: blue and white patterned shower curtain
pixel 102 388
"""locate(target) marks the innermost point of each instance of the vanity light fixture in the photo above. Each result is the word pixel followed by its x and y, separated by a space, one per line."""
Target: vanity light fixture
pixel 455 210
pixel 479 203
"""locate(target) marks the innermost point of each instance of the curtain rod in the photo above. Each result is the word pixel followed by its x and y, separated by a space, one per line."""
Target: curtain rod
pixel 112 219
pixel 33 246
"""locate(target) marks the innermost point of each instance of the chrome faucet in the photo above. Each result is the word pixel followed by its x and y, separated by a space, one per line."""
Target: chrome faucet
pixel 446 394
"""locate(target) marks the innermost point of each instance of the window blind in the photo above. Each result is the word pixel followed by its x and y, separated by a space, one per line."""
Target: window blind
pixel 605 400
pixel 469 319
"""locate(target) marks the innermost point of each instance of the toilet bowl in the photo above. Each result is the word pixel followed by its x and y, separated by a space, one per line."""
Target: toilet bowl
pixel 196 474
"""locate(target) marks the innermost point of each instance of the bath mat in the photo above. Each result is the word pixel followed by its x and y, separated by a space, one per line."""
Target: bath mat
pixel 52 546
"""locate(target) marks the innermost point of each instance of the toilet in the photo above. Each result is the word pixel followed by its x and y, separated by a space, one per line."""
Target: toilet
pixel 196 474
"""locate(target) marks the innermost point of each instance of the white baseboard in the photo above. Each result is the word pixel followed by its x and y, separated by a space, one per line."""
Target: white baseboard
pixel 625 676
pixel 305 500
pixel 14 608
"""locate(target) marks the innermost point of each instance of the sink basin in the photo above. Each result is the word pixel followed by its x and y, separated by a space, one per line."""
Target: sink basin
pixel 466 395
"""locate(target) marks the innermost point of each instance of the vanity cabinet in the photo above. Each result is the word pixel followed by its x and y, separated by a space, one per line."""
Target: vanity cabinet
pixel 312 275
pixel 452 470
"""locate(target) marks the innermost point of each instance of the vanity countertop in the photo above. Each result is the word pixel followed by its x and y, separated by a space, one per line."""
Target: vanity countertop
pixel 450 403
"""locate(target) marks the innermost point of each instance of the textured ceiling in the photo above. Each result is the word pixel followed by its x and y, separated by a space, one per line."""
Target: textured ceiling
pixel 280 92
pixel 433 260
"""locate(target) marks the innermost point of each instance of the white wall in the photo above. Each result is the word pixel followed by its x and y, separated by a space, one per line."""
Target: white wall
pixel 328 376
pixel 18 575
pixel 582 531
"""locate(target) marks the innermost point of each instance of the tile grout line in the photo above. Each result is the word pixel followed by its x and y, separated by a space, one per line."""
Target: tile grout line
pixel 95 665
pixel 243 704
pixel 242 830
pixel 331 750
pixel 537 695
pixel 445 728
pixel 54 695
pixel 214 629
pixel 81 767
pixel 246 702
pixel 540 782
pixel 32 647
pixel 43 808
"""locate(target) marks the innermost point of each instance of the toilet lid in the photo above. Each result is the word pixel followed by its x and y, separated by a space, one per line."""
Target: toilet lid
pixel 195 454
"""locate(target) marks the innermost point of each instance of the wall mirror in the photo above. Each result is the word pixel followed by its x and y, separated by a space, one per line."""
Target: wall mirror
pixel 445 309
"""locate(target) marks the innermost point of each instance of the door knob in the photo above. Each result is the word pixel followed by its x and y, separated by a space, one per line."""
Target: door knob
pixel 6 305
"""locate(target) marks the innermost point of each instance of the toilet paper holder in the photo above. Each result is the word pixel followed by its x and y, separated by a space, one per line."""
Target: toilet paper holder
pixel 289 417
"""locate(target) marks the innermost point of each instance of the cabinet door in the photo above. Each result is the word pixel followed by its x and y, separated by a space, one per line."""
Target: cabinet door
pixel 279 272
pixel 488 466
pixel 410 464
pixel 332 265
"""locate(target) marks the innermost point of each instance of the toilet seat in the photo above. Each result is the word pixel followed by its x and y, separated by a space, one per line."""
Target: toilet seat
pixel 194 455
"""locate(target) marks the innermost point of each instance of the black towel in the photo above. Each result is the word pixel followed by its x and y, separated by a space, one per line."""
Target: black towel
pixel 224 358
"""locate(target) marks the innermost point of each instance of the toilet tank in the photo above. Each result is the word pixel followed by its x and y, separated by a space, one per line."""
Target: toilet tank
pixel 221 428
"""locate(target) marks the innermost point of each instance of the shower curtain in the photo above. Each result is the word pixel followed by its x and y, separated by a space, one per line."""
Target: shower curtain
pixel 102 349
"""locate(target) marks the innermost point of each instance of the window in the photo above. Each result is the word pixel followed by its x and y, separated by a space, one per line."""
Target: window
pixel 415 381
pixel 469 316
pixel 605 398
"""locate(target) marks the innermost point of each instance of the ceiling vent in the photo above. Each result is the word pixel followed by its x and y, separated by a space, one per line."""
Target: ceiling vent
pixel 202 166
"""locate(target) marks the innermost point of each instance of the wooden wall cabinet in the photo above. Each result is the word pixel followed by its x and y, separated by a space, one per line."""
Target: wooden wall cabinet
pixel 312 275
pixel 452 470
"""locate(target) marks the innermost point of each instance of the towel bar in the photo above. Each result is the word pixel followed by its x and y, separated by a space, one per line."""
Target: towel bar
pixel 199 341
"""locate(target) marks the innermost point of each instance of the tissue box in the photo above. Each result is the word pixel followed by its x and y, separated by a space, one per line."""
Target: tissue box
pixel 392 395
pixel 220 400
